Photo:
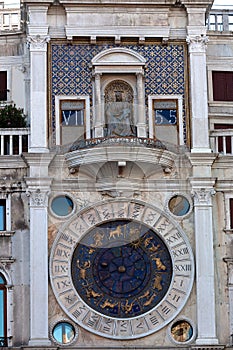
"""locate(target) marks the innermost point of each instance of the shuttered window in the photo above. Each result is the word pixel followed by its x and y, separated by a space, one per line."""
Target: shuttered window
pixel 222 86
pixel 3 86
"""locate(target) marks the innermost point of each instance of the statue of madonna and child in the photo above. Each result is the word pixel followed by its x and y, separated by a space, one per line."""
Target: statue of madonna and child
pixel 119 115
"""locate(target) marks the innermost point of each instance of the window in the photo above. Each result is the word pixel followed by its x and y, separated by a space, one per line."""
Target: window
pixel 63 333
pixel 72 118
pixel 2 214
pixel 3 86
pixel 179 205
pixel 166 118
pixel 72 113
pixel 222 86
pixel 182 331
pixel 3 318
pixel 62 205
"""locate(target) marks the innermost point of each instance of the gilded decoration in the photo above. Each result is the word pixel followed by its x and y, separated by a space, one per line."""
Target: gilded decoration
pixel 71 69
pixel 121 269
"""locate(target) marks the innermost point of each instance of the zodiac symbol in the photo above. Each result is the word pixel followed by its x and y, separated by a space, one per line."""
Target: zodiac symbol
pixel 98 238
pixel 157 282
pixel 149 301
pixel 116 232
pixel 147 241
pixel 159 264
pixel 82 269
pixel 127 307
pixel 92 293
pixel 134 233
pixel 154 248
pixel 145 295
pixel 108 304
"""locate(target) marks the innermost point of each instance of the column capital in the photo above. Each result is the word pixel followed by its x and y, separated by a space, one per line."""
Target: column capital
pixel 203 196
pixel 38 198
pixel 38 42
pixel 202 191
pixel 197 43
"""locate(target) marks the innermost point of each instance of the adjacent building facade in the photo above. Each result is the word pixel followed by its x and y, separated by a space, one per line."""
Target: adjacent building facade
pixel 116 200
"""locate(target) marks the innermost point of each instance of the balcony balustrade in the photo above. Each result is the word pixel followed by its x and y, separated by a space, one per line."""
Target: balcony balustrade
pixel 13 141
pixel 222 141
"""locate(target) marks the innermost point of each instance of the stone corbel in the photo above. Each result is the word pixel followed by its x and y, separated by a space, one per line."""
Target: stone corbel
pixel 197 43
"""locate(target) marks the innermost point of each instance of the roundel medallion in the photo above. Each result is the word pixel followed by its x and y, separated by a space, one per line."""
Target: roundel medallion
pixel 121 269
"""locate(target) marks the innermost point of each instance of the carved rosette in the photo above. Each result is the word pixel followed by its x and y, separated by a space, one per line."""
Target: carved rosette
pixel 203 196
pixel 38 42
pixel 38 198
pixel 197 43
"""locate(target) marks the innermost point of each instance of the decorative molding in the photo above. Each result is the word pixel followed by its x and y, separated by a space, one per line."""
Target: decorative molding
pixel 6 233
pixel 38 198
pixel 5 264
pixel 203 196
pixel 38 42
pixel 197 43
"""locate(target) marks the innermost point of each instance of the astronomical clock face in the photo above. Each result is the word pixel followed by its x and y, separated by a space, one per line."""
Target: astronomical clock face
pixel 121 269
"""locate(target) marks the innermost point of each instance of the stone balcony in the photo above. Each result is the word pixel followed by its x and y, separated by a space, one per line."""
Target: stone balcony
pixel 13 141
pixel 222 141
pixel 122 149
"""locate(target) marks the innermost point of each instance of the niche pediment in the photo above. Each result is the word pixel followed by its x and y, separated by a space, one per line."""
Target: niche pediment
pixel 119 58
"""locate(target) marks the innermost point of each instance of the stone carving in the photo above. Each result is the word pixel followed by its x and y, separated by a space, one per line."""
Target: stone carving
pixel 118 109
pixel 37 42
pixel 197 43
pixel 38 198
pixel 202 196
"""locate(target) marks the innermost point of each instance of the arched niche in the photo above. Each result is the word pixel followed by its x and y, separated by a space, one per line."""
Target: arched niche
pixel 119 64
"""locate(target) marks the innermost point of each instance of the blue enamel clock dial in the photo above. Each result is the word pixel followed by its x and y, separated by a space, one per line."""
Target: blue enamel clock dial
pixel 121 268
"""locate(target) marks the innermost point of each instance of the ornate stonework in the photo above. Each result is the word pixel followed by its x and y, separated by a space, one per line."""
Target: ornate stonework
pixel 38 42
pixel 92 282
pixel 197 43
pixel 38 198
pixel 203 196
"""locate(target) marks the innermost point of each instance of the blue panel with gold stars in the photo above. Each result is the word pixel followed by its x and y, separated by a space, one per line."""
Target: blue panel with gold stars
pixel 72 69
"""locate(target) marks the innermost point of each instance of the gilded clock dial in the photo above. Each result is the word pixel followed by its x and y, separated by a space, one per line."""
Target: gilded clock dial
pixel 121 268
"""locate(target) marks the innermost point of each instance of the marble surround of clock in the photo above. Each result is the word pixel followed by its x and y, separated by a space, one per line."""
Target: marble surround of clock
pixel 89 243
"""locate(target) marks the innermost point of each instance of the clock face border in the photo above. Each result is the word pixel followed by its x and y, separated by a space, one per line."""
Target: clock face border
pixel 155 219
